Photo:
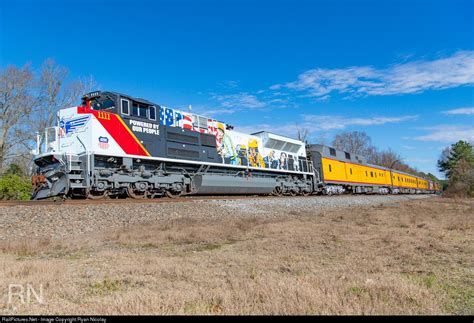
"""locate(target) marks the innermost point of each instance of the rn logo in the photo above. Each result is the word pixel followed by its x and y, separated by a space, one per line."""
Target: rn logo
pixel 103 142
pixel 25 294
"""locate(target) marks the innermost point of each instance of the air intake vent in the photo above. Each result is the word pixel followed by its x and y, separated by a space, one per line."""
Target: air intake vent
pixel 173 152
pixel 208 140
pixel 178 137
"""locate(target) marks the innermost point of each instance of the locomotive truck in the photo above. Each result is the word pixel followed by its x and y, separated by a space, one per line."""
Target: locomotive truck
pixel 115 145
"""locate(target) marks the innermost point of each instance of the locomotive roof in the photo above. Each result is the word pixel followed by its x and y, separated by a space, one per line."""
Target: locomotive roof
pixel 275 134
pixel 139 100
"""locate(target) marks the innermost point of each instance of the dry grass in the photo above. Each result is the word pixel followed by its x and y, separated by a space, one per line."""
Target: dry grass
pixel 409 258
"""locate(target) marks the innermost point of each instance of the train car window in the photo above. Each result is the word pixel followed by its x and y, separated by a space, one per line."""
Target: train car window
pixel 330 169
pixel 152 113
pixel 332 151
pixel 371 174
pixel 366 174
pixel 350 170
pixel 348 156
pixel 125 106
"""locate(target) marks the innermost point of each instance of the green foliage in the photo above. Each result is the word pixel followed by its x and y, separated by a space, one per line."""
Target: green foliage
pixel 457 163
pixel 14 187
pixel 432 177
pixel 460 152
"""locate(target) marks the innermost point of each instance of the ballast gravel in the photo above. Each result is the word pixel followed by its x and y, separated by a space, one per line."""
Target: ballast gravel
pixel 61 221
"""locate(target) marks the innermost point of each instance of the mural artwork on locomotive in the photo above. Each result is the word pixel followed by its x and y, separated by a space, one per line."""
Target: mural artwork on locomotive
pixel 235 148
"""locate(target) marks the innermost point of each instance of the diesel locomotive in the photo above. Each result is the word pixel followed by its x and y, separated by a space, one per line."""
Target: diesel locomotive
pixel 115 145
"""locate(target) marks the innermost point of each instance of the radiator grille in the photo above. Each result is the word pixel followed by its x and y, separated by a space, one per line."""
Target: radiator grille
pixel 182 153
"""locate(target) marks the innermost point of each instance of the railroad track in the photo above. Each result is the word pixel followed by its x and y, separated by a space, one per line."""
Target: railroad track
pixel 60 201
pixel 191 198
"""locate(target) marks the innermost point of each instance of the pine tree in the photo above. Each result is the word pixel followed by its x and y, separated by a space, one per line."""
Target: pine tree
pixel 457 162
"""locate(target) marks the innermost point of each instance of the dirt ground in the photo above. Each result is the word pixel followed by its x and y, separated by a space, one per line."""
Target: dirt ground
pixel 414 257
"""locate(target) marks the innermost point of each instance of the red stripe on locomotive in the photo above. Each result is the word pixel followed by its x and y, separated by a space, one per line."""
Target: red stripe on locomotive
pixel 117 130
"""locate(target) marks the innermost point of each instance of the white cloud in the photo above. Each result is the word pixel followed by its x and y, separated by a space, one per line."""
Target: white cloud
pixel 421 160
pixel 230 84
pixel 338 122
pixel 323 122
pixel 410 77
pixel 240 100
pixel 467 111
pixel 448 133
pixel 215 112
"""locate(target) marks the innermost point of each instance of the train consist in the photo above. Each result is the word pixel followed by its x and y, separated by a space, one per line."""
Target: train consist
pixel 115 145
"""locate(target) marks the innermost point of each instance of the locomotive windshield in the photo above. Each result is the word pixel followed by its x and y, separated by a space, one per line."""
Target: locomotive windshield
pixel 101 103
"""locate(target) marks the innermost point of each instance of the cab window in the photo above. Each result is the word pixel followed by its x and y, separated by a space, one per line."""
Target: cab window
pixel 125 106
pixel 102 104
pixel 152 113
pixel 139 110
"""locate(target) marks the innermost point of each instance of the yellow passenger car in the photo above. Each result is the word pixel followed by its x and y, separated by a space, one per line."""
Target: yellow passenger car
pixel 341 171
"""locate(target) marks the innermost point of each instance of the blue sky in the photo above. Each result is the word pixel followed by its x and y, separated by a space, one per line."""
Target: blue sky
pixel 403 71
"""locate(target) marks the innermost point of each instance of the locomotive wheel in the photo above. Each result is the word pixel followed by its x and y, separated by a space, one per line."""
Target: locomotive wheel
pixel 277 191
pixel 172 194
pixel 134 194
pixel 305 193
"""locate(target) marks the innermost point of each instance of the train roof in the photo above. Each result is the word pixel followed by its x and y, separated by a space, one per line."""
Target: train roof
pixel 275 135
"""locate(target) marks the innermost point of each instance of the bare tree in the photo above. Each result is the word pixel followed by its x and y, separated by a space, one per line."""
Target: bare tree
pixel 55 93
pixel 29 103
pixel 302 133
pixel 16 103
pixel 355 142
pixel 389 158
pixel 373 155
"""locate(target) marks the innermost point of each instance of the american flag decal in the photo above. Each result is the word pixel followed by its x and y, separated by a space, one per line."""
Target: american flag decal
pixel 166 116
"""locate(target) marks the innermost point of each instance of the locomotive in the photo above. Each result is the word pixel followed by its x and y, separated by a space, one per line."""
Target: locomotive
pixel 116 145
